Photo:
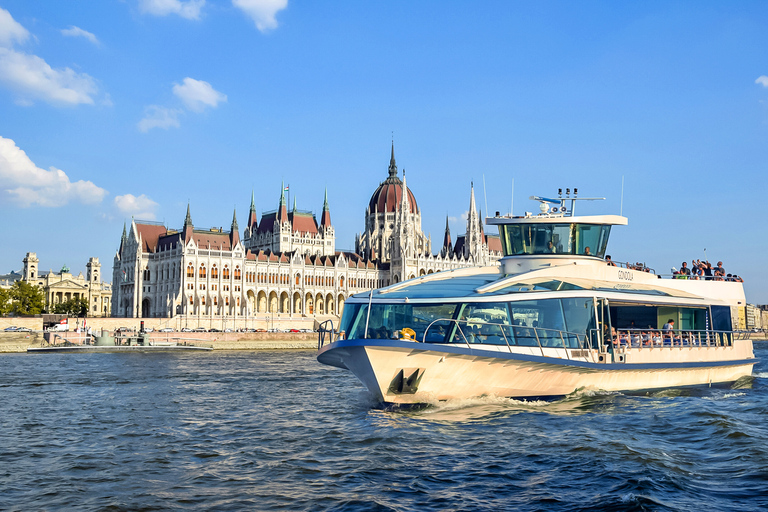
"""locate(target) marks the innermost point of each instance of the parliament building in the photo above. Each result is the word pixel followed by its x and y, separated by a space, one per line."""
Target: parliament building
pixel 286 263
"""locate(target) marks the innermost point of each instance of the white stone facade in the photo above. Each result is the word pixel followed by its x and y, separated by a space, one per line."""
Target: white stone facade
pixel 286 264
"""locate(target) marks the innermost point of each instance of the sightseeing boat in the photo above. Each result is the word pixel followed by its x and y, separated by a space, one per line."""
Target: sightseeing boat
pixel 552 318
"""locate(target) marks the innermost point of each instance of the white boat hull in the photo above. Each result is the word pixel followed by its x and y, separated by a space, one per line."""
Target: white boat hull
pixel 440 372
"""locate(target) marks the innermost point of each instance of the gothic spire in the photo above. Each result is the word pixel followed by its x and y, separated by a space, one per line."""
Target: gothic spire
pixel 188 219
pixel 253 203
pixel 392 165
pixel 325 219
pixel 234 220
pixel 124 235
pixel 234 235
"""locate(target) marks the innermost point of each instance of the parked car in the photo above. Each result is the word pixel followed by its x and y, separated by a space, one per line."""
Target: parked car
pixel 166 329
pixel 199 329
pixel 186 329
pixel 294 330
pixel 23 329
pixel 11 329
pixel 149 329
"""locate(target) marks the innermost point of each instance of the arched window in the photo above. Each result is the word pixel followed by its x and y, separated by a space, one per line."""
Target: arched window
pixel 341 282
pixel 298 279
pixel 202 272
pixel 225 272
pixel 214 272
pixel 237 273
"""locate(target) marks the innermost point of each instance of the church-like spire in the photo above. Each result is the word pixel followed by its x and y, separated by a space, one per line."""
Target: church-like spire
pixel 325 219
pixel 282 209
pixel 124 233
pixel 188 228
pixel 188 219
pixel 392 165
pixel 447 242
pixel 252 217
pixel 234 235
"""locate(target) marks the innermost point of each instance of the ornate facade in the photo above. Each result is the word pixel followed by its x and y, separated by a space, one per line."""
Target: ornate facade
pixel 62 286
pixel 286 263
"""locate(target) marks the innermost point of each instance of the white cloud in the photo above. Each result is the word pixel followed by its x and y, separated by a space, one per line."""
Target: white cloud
pixel 762 80
pixel 197 94
pixel 141 207
pixel 156 116
pixel 262 12
pixel 26 184
pixel 189 9
pixel 10 30
pixel 32 78
pixel 73 31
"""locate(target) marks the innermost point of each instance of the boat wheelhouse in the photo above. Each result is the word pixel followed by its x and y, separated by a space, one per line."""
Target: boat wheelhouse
pixel 552 318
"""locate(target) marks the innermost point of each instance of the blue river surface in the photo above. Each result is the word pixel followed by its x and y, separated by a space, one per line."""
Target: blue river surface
pixel 276 430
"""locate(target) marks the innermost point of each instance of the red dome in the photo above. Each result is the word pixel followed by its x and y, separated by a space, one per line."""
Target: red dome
pixel 388 196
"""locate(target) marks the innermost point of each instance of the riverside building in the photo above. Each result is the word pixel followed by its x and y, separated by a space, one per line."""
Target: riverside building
pixel 63 286
pixel 286 263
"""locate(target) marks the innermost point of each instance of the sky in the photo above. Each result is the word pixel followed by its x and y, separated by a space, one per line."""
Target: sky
pixel 113 109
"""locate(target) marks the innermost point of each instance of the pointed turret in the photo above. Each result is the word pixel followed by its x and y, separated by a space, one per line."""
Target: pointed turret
pixel 188 227
pixel 252 218
pixel 325 219
pixel 447 242
pixel 234 235
pixel 282 209
pixel 392 165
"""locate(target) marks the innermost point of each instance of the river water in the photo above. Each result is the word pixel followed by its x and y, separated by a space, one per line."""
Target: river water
pixel 275 430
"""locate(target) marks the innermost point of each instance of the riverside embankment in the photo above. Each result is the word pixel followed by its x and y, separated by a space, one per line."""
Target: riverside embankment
pixel 18 342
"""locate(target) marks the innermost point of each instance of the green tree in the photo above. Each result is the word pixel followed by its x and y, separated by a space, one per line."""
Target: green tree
pixel 72 307
pixel 26 299
pixel 5 302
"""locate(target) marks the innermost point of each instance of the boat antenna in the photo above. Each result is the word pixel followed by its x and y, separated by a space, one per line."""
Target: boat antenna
pixel 621 208
pixel 485 196
pixel 512 200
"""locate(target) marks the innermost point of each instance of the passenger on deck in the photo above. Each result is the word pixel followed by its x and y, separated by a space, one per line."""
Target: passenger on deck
pixel 719 268
pixel 707 271
pixel 685 272
pixel 609 261
pixel 551 247
pixel 668 329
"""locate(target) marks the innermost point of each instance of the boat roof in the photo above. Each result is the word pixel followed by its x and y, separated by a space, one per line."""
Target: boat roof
pixel 590 277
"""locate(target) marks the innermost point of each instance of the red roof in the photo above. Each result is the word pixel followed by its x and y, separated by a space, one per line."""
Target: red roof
pixel 150 234
pixel 388 196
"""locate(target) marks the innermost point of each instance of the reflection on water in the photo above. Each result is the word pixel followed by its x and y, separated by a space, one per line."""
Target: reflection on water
pixel 277 431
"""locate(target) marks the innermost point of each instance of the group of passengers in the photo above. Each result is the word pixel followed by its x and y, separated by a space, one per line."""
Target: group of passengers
pixel 666 336
pixel 703 270
pixel 632 266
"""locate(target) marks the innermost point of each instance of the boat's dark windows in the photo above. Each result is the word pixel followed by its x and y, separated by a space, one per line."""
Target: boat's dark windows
pixel 637 317
pixel 538 322
pixel 579 316
pixel 483 322
pixel 440 314
pixel 590 236
pixel 388 320
pixel 353 320
pixel 721 318
pixel 518 239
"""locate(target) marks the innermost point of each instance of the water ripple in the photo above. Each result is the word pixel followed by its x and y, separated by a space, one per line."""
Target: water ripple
pixel 278 431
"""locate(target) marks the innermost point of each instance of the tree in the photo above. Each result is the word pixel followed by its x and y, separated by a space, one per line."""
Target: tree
pixel 72 307
pixel 5 302
pixel 26 299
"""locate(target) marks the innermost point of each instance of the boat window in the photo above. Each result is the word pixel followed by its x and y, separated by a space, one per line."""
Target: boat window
pixel 476 323
pixel 721 318
pixel 387 321
pixel 539 238
pixel 579 315
pixel 538 321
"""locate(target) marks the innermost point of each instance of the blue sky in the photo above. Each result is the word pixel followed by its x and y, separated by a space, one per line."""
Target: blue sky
pixel 113 108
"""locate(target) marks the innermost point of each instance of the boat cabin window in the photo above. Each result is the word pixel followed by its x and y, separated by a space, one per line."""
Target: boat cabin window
pixel 540 238
pixel 387 321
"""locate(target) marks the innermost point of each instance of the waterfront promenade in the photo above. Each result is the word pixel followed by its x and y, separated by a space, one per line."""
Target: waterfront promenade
pixel 18 342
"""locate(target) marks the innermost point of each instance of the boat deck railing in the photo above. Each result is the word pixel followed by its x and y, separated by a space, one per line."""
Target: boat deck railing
pixel 474 332
pixel 649 338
